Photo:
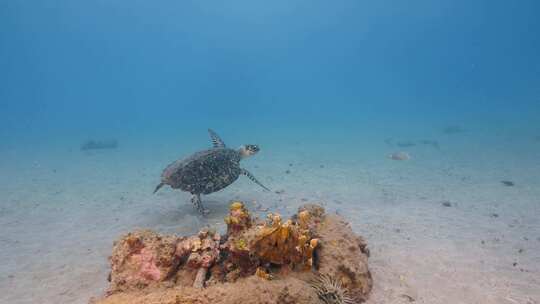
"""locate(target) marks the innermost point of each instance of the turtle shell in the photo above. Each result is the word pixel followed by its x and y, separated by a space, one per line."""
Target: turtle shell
pixel 204 172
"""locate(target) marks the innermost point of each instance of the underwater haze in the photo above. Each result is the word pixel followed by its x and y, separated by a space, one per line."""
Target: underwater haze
pixel 416 120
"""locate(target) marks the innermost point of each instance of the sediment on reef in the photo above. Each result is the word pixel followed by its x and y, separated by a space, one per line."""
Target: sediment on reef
pixel 311 258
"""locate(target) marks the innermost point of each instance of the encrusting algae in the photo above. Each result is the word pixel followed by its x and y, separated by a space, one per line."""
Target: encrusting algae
pixel 274 259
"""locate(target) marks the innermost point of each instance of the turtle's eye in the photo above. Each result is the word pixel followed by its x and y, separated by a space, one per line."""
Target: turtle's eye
pixel 253 148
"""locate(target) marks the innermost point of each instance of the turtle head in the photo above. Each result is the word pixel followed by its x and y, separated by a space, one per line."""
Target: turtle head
pixel 248 150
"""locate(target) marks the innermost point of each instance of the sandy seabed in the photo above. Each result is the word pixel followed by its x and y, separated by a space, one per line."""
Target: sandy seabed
pixel 61 209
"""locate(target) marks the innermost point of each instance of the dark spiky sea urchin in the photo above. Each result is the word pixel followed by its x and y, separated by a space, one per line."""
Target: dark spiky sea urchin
pixel 330 290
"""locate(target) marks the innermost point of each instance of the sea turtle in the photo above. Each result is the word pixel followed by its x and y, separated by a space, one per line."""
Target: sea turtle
pixel 208 171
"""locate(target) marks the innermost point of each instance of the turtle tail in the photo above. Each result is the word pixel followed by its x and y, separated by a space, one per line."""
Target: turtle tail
pixel 158 187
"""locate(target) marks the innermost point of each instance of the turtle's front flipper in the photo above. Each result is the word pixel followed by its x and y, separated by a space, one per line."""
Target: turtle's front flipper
pixel 216 141
pixel 158 187
pixel 197 203
pixel 253 179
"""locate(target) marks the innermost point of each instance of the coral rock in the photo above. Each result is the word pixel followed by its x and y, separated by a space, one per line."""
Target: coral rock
pixel 272 261
pixel 344 256
pixel 141 258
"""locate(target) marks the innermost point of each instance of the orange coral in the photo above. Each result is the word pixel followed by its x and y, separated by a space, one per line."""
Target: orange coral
pixel 283 243
pixel 238 219
pixel 262 273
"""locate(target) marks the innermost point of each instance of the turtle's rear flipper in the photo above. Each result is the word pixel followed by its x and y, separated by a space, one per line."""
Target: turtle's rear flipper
pixel 158 187
pixel 197 203
pixel 253 179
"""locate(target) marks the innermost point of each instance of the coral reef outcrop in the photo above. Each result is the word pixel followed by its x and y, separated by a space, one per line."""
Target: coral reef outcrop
pixel 313 257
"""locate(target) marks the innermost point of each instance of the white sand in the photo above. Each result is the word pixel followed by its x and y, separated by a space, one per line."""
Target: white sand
pixel 60 211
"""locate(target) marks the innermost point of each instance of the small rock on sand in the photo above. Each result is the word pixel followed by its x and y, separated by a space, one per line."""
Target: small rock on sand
pixel 507 183
pixel 399 156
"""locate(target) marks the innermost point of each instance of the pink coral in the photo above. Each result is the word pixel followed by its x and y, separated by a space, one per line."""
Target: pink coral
pixel 147 261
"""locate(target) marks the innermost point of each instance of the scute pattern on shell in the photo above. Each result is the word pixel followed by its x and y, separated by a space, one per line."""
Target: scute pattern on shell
pixel 204 172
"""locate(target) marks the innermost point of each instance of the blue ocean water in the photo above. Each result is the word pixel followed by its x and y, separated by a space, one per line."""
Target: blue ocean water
pixel 318 84
pixel 82 69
